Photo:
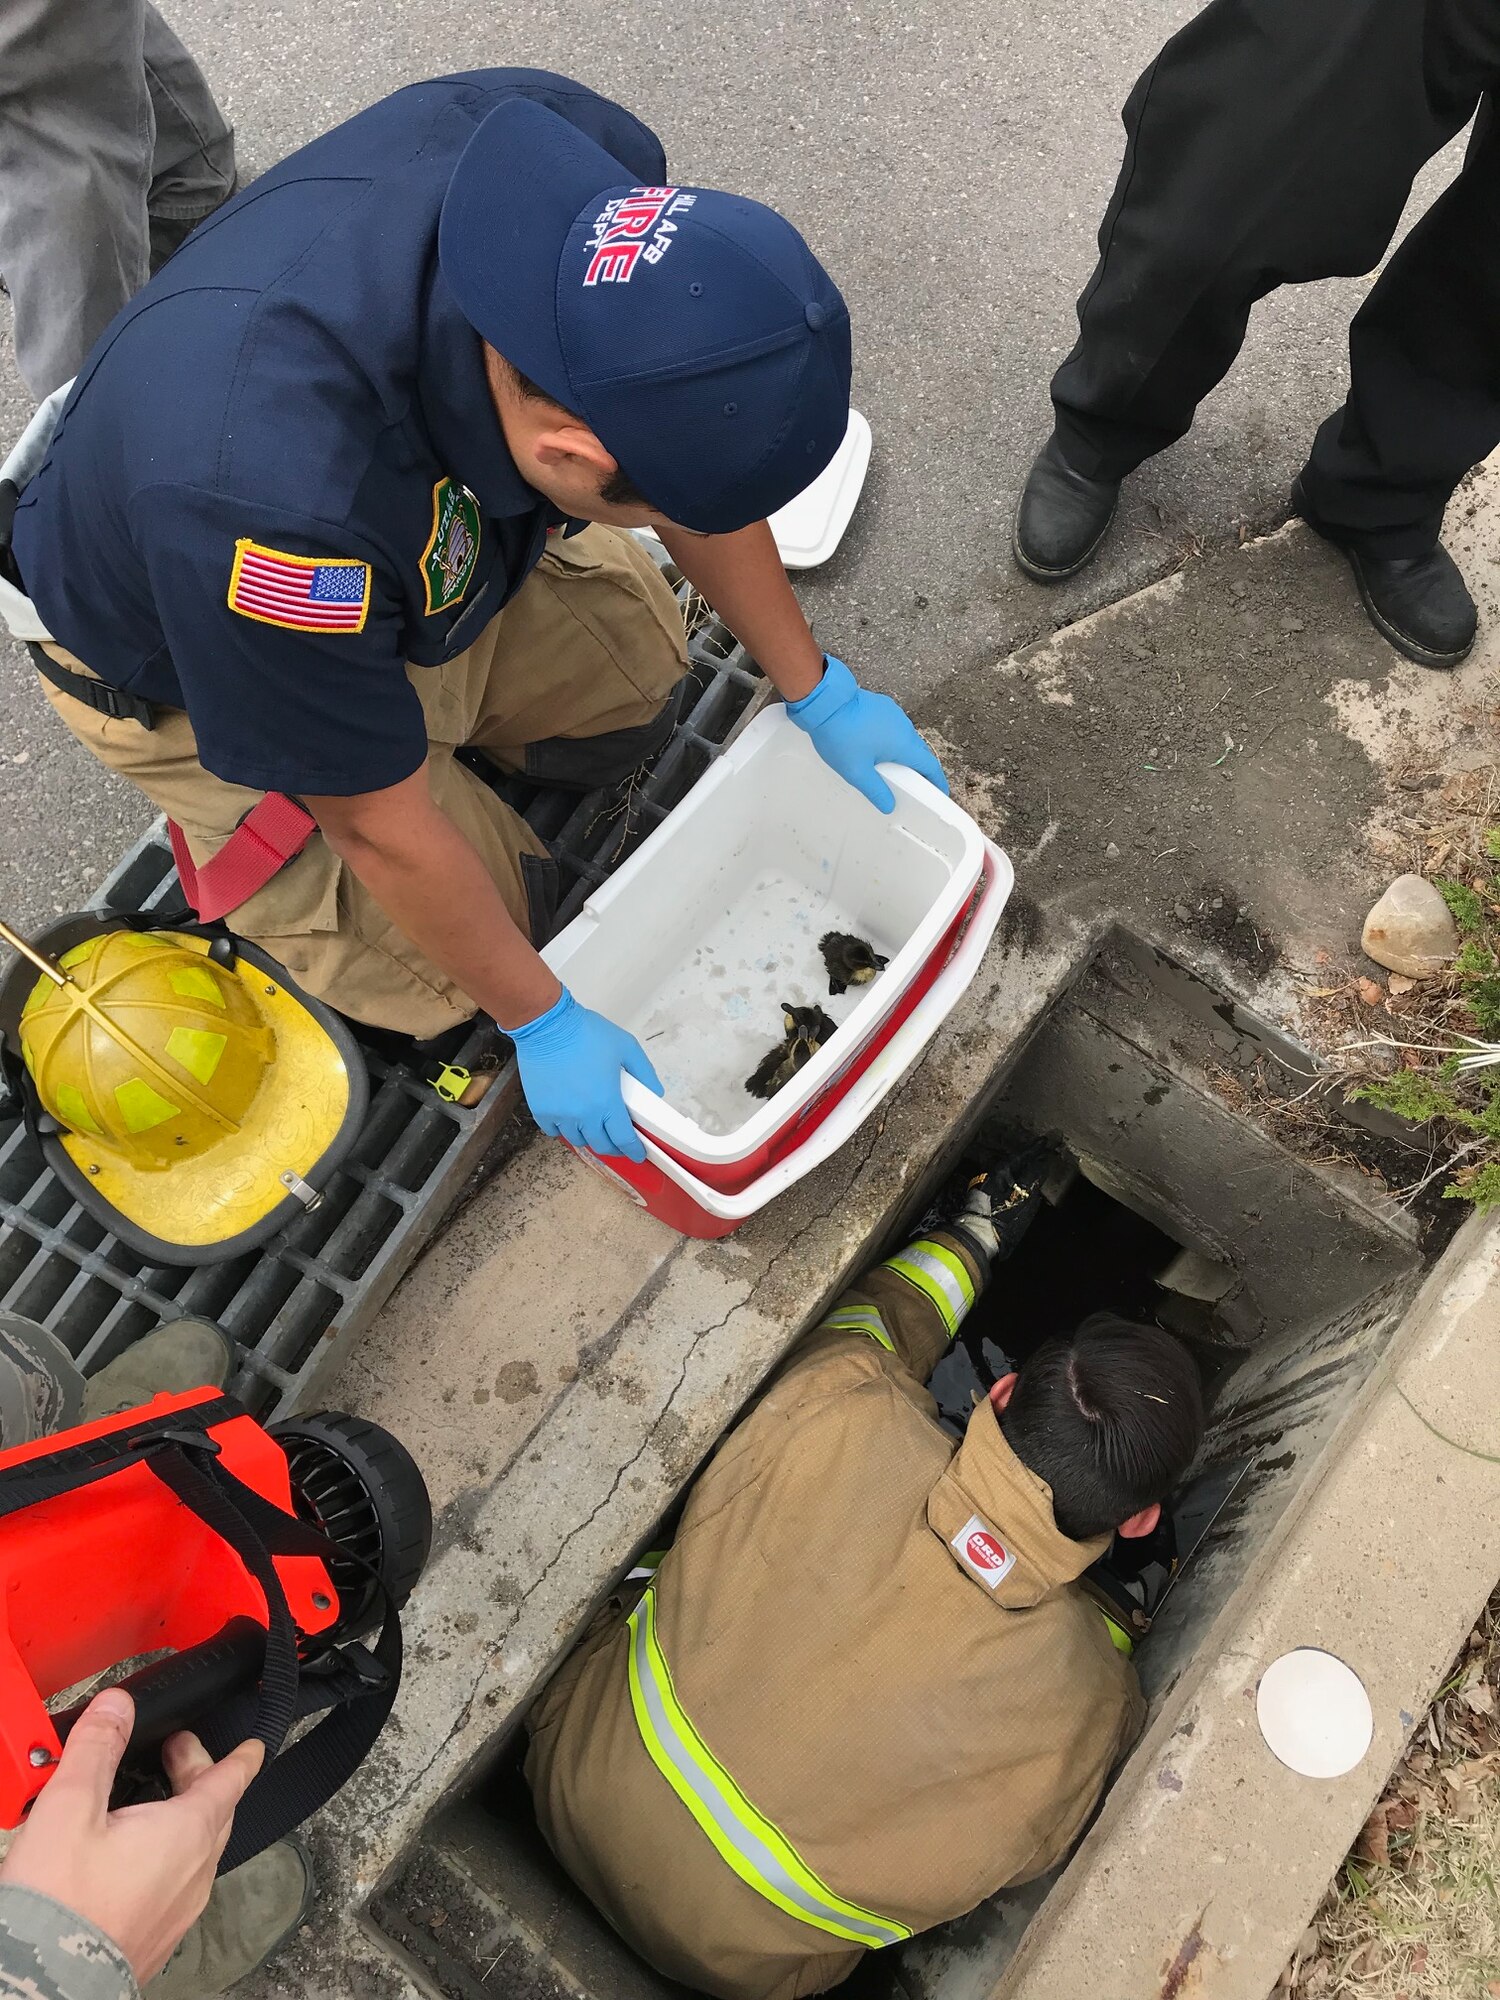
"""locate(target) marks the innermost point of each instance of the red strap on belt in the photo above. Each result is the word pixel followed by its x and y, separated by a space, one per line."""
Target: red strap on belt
pixel 269 836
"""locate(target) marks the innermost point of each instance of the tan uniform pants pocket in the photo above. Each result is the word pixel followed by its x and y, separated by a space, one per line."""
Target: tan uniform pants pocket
pixel 592 644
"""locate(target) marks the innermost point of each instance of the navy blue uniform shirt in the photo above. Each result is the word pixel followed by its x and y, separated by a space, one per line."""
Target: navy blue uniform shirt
pixel 281 476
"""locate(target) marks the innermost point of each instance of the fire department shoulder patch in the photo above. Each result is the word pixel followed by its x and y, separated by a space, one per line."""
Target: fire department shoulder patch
pixel 453 546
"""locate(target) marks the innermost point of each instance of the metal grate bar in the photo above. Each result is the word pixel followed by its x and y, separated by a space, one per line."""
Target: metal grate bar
pixel 314 1267
pixel 56 1244
pixel 294 1307
pixel 261 1385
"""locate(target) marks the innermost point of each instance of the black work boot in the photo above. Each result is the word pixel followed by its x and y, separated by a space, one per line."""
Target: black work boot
pixel 1062 517
pixel 1421 604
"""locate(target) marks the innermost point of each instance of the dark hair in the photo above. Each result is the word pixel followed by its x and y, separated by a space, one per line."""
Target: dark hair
pixel 619 490
pixel 1111 1419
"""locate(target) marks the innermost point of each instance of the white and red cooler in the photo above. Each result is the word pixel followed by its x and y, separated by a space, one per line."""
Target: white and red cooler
pixel 713 925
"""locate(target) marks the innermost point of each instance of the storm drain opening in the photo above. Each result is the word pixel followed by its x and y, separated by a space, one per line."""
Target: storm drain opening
pixel 1085 1252
pixel 1286 1278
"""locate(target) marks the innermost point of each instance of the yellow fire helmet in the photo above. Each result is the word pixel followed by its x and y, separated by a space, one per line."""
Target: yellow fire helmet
pixel 184 1090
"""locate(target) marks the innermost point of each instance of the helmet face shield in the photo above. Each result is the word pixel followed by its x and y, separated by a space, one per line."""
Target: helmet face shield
pixel 190 1097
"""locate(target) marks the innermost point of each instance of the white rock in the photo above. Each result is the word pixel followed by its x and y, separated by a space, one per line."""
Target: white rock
pixel 1411 930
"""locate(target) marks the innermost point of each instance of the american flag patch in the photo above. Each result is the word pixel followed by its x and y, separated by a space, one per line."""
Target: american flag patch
pixel 300 593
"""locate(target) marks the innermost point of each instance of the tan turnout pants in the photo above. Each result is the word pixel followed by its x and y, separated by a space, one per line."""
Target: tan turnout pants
pixel 568 684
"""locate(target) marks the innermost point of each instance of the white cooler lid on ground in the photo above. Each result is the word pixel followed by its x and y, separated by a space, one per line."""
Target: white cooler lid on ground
pixel 809 528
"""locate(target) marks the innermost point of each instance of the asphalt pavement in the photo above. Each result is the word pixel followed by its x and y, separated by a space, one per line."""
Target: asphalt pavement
pixel 948 162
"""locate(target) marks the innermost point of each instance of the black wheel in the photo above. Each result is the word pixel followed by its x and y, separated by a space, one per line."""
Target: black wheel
pixel 363 1489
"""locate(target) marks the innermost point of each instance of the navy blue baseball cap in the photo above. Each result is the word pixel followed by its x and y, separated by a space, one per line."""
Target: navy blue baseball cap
pixel 694 332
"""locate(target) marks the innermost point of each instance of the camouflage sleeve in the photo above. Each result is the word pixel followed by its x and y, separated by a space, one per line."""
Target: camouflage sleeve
pixel 49 1952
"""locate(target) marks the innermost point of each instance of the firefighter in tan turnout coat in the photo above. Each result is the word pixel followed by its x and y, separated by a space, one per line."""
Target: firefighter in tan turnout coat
pixel 865 1689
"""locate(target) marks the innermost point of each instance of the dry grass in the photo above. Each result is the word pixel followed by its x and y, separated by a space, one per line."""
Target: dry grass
pixel 1304 1120
pixel 1433 823
pixel 1358 1015
pixel 1366 1026
pixel 697 612
pixel 1414 1913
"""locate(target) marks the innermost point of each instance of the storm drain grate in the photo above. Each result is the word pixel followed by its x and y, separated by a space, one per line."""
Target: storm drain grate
pixel 291 1306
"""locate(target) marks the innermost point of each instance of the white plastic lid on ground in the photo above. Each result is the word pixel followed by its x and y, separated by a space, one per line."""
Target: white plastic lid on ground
pixel 809 528
pixel 1314 1713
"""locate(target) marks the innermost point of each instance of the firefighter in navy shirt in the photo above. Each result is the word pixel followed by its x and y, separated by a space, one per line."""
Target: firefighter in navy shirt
pixel 342 491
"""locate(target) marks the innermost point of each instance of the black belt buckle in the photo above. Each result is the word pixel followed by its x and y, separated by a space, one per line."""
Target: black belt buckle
pixel 346 1663
pixel 95 694
pixel 363 1665
pixel 179 1435
pixel 115 703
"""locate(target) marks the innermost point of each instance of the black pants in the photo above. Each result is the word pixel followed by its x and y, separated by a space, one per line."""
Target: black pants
pixel 1273 142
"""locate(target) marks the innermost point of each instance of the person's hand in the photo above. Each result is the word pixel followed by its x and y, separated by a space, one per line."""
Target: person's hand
pixel 570 1060
pixel 140 1875
pixel 853 730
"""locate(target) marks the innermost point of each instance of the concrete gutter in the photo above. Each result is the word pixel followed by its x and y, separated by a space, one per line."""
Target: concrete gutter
pixel 1191 1882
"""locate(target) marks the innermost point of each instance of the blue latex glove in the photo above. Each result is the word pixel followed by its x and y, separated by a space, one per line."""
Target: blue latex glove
pixel 853 731
pixel 570 1060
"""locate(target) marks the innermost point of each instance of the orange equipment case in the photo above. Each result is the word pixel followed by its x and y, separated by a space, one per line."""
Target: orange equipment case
pixel 120 1567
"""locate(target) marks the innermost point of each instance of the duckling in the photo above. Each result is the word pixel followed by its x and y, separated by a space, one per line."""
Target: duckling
pixel 851 961
pixel 807 1028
